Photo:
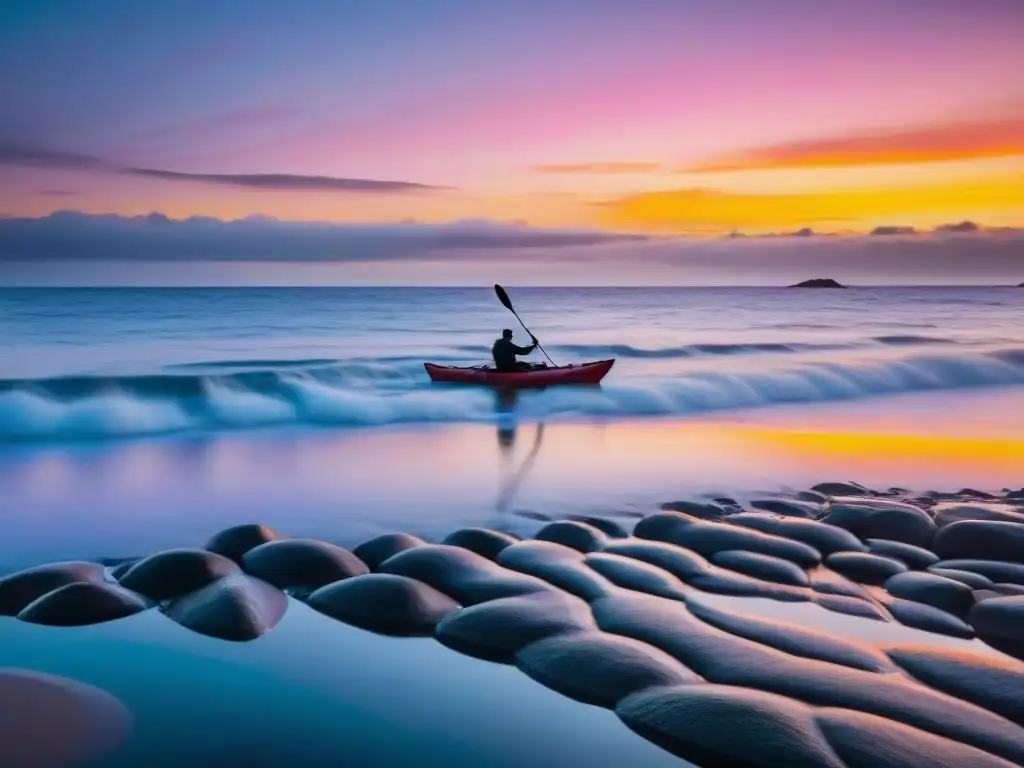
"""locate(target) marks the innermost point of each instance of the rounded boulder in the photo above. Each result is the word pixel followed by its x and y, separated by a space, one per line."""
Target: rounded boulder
pixel 865 567
pixel 981 539
pixel 177 572
pixel 234 542
pixel 380 548
pixel 385 603
pixel 302 565
pixel 237 607
pixel 484 542
pixel 19 589
pixel 82 603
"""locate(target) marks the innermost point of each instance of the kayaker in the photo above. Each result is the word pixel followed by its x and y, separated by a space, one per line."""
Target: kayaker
pixel 504 352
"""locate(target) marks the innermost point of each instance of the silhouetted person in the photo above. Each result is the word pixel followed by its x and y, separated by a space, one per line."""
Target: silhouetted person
pixel 504 353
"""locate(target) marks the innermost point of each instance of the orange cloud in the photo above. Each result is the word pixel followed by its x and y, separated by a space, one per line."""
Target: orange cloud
pixel 708 210
pixel 925 144
pixel 598 168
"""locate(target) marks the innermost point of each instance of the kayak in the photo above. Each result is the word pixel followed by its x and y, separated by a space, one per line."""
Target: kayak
pixel 584 373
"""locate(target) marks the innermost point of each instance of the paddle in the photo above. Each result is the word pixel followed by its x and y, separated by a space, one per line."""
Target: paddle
pixel 504 299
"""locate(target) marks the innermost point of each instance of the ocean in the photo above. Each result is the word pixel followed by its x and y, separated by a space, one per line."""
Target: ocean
pixel 88 364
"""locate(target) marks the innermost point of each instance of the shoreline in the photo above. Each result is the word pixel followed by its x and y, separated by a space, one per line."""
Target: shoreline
pixel 901 611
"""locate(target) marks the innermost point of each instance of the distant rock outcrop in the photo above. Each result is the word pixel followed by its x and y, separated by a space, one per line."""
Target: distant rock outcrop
pixel 963 226
pixel 819 282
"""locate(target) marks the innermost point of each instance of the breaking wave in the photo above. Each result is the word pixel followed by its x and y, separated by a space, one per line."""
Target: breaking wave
pixel 249 394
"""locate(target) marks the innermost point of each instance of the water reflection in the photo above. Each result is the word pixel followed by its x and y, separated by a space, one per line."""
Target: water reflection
pixel 510 478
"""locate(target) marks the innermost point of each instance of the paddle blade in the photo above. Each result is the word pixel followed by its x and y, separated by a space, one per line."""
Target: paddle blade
pixel 503 297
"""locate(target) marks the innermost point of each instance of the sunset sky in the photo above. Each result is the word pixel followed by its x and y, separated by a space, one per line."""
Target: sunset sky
pixel 647 116
pixel 671 115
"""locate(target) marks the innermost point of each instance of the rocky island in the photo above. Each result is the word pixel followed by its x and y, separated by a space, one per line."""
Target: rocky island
pixel 819 282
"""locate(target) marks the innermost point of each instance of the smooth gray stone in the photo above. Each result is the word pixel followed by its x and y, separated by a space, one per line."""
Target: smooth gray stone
pixel 234 542
pixel 937 591
pixel 851 606
pixel 921 616
pixel 787 507
pixel 762 567
pixel 864 567
pixel 913 557
pixel 19 589
pixel 637 575
pixel 793 638
pixel 1000 622
pixel 385 603
pixel 682 563
pixel 380 548
pixel 993 684
pixel 237 607
pixel 995 570
pixel 972 580
pixel 82 603
pixel 466 577
pixel 849 517
pixel 707 538
pixel 729 727
pixel 578 536
pixel 558 565
pixel 841 489
pixel 302 564
pixel 910 525
pixel 824 538
pixel 484 542
pixel 177 572
pixel 609 528
pixel 498 629
pixel 698 509
pixel 599 668
pixel 865 741
pixel 948 514
pixel 981 539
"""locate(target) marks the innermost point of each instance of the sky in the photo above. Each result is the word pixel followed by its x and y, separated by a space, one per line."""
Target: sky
pixel 660 118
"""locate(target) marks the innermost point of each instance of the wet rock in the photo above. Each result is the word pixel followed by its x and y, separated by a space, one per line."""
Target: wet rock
pixel 993 684
pixel 913 557
pixel 233 543
pixel 982 539
pixel 83 603
pixel 237 607
pixel 995 570
pixel 726 582
pixel 972 580
pixel 302 565
pixel 948 514
pixel 717 725
pixel 484 542
pixel 1009 590
pixel 866 741
pixel 385 603
pixel 599 668
pixel 824 538
pixel 558 565
pixel 465 576
pixel 865 567
pixel 1000 623
pixel 497 630
pixel 921 616
pixel 609 528
pixel 56 722
pixel 829 582
pixel 119 570
pixel 695 509
pixel 762 567
pixel 725 659
pixel 787 507
pixel 637 575
pixel 681 563
pixel 937 591
pixel 177 572
pixel 380 548
pixel 849 517
pixel 19 589
pixel 812 496
pixel 976 494
pixel 841 489
pixel 579 536
pixel 707 538
pixel 793 638
pixel 909 525
pixel 851 606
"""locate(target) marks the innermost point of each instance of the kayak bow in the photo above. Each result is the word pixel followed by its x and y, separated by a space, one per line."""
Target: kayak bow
pixel 584 373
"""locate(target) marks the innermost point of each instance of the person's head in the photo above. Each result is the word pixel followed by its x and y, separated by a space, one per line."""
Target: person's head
pixel 506 334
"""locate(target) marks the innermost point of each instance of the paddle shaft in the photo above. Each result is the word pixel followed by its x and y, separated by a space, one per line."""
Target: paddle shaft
pixel 532 336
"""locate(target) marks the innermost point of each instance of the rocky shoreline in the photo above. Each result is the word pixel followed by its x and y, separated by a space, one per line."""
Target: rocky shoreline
pixel 620 619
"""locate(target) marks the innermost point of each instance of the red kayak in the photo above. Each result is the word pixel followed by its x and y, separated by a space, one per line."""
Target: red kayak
pixel 584 373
